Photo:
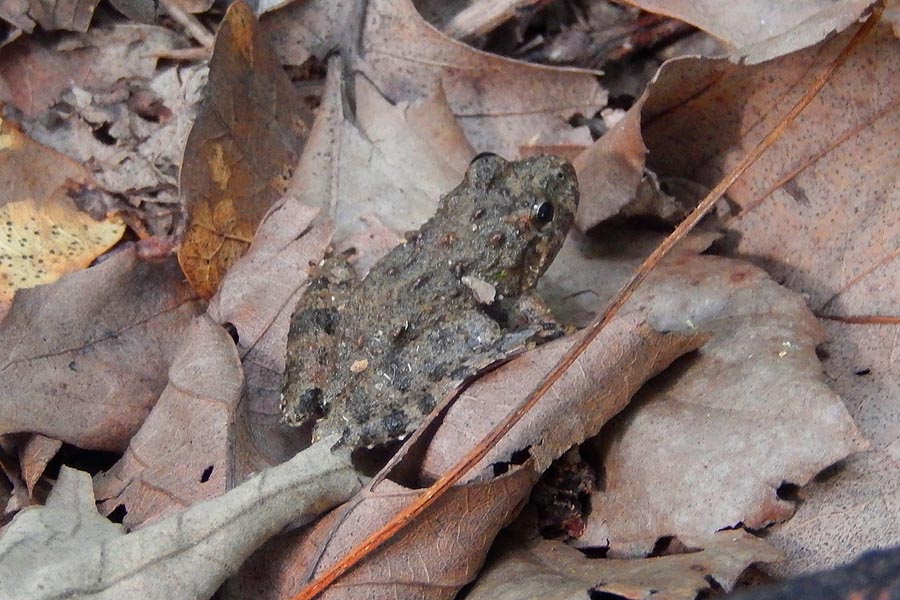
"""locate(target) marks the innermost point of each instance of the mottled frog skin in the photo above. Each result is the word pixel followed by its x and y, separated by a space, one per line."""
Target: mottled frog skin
pixel 370 359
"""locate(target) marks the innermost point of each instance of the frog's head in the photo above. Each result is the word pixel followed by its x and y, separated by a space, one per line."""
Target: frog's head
pixel 521 212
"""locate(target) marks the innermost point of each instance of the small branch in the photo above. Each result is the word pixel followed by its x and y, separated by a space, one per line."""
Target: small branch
pixel 193 26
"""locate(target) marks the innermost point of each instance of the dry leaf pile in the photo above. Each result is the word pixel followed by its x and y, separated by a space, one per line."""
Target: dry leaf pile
pixel 166 193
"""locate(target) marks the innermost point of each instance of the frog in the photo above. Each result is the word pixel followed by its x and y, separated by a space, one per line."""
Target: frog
pixel 370 358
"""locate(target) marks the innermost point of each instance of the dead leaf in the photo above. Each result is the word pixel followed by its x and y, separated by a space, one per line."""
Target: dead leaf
pixel 622 358
pixel 37 71
pixel 182 454
pixel 819 212
pixel 241 151
pixel 500 103
pixel 72 15
pixel 84 359
pixel 257 297
pixel 763 29
pixel 473 18
pixel 217 430
pixel 15 12
pixel 45 235
pixel 34 455
pixel 358 185
pixel 548 569
pixel 100 99
pixel 609 171
pixel 438 553
pixel 66 549
pixel 312 28
pixel 14 491
pixel 708 446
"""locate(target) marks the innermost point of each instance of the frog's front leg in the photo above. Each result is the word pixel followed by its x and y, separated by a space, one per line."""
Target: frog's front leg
pixel 529 313
pixel 312 341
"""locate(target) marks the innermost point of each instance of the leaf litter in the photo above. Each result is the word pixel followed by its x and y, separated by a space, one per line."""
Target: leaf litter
pixel 377 111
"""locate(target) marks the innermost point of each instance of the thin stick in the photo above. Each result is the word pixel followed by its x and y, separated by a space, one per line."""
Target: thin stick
pixel 428 497
pixel 190 23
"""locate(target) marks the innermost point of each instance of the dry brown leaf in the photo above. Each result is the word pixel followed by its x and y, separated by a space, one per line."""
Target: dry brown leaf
pixel 819 212
pixel 468 19
pixel 44 236
pixel 709 445
pixel 370 195
pixel 65 549
pixel 34 455
pixel 257 297
pixel 14 494
pixel 217 430
pixel 83 359
pixel 599 385
pixel 609 171
pixel 437 554
pixel 309 28
pixel 15 12
pixel 150 12
pixel 182 454
pixel 36 71
pixel 99 98
pixel 548 569
pixel 241 151
pixel 500 103
pixel 71 15
pixel 763 29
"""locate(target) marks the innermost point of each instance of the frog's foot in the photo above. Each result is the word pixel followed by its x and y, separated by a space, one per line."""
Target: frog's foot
pixel 300 406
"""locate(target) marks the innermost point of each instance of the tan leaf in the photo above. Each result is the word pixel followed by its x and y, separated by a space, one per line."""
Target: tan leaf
pixel 241 151
pixel 44 235
pixel 206 434
pixel 598 386
pixel 547 569
pixel 257 297
pixel 66 549
pixel 182 454
pixel 37 70
pixel 34 455
pixel 763 29
pixel 709 445
pixel 83 359
pixel 472 18
pixel 437 554
pixel 72 15
pixel 609 171
pixel 309 28
pixel 500 103
pixel 819 212
pixel 373 193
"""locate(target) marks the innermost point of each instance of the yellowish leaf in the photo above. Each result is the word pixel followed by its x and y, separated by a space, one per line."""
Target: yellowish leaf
pixel 43 235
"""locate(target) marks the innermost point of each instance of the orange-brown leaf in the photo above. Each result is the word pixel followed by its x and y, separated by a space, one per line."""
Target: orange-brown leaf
pixel 241 151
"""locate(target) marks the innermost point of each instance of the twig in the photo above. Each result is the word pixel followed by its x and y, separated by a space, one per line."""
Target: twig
pixel 430 495
pixel 189 22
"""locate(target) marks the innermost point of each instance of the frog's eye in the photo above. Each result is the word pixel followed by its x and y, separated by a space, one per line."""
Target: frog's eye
pixel 542 214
